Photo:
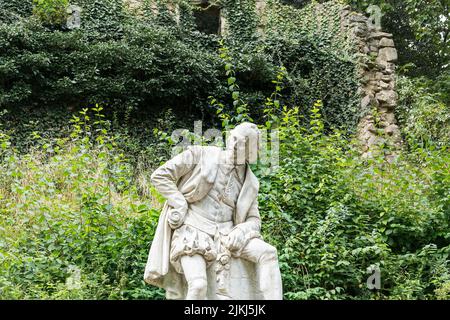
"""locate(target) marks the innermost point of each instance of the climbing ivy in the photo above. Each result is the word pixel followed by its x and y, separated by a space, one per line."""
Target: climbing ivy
pixel 51 12
pixel 319 22
pixel 151 60
pixel 102 20
pixel 242 21
pixel 319 53
pixel 12 10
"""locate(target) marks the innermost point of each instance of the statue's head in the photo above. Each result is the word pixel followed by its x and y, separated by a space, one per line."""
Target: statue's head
pixel 244 141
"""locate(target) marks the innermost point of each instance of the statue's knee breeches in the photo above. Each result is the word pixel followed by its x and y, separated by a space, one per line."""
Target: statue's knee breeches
pixel 258 251
pixel 269 254
pixel 189 241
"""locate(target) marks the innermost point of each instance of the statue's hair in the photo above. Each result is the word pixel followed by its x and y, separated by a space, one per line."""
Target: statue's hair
pixel 245 129
pixel 247 133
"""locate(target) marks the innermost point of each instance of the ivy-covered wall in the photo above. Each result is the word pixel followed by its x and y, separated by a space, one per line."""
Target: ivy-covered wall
pixel 149 55
pixel 321 57
pixel 322 23
pixel 12 10
pixel 349 36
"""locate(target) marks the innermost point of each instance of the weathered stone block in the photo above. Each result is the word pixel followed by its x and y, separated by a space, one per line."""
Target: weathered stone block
pixel 386 42
pixel 379 35
pixel 385 85
pixel 391 130
pixel 365 102
pixel 386 55
pixel 387 97
pixel 358 18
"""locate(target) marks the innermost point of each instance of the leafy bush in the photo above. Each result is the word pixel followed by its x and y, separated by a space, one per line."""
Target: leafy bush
pixel 77 203
pixel 149 63
pixel 423 113
pixel 77 214
pixel 13 10
pixel 332 215
pixel 54 68
pixel 70 205
pixel 51 11
pixel 420 31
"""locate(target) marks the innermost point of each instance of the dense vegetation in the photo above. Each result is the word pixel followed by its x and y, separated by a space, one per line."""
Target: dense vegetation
pixel 149 63
pixel 85 118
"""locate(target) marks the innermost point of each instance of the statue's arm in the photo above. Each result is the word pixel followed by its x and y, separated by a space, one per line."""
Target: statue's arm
pixel 165 179
pixel 246 230
pixel 253 222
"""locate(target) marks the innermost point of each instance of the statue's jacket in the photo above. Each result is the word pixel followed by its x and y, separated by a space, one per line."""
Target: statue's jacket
pixel 187 178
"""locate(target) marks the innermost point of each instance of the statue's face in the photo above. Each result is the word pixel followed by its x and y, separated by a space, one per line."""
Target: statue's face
pixel 245 149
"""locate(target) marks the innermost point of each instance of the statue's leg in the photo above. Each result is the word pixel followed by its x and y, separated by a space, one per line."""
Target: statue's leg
pixel 266 259
pixel 194 269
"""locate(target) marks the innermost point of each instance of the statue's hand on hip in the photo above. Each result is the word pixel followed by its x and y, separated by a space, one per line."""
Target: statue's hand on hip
pixel 176 218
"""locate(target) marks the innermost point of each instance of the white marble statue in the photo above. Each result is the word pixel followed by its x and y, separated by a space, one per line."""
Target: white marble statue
pixel 207 244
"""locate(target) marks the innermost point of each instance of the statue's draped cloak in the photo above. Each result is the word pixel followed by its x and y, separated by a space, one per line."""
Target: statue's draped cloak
pixel 194 185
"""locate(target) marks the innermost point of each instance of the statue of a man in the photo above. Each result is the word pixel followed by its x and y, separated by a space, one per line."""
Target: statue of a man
pixel 211 217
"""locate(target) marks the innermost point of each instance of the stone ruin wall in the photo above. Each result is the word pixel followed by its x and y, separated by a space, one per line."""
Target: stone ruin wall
pixel 376 70
pixel 377 57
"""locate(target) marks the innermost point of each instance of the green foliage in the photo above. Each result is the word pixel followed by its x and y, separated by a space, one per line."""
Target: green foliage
pixel 239 111
pixel 102 20
pixel 423 114
pixel 321 25
pixel 50 68
pixel 13 10
pixel 77 212
pixel 334 81
pixel 150 62
pixel 318 60
pixel 52 12
pixel 421 32
pixel 70 204
pixel 332 214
